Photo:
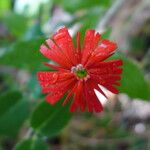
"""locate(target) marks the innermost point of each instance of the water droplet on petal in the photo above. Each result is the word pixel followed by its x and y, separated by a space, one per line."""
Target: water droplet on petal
pixel 103 45
pixel 55 78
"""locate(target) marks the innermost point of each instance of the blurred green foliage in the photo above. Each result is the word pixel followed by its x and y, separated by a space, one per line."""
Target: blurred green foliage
pixel 13 112
pixel 133 82
pixel 49 120
pixel 17 24
pixel 20 37
pixel 75 5
pixel 23 53
pixel 31 144
pixel 8 100
pixel 4 6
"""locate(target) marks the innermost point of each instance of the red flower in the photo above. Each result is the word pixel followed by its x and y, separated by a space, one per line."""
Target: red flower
pixel 79 70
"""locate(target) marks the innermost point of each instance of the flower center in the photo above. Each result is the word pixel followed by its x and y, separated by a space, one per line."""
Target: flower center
pixel 80 72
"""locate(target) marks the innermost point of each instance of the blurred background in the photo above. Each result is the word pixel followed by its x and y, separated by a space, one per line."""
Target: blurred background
pixel 29 123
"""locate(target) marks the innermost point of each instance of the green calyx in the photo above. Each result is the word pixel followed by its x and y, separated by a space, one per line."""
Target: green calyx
pixel 81 73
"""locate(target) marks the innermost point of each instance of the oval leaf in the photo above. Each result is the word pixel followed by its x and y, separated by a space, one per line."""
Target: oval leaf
pixel 27 54
pixel 12 120
pixel 8 100
pixel 24 145
pixel 48 119
pixel 31 144
pixel 133 82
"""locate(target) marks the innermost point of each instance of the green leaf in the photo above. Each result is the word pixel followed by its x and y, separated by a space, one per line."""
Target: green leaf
pixel 24 55
pixel 107 33
pixel 133 82
pixel 4 6
pixel 39 144
pixel 16 24
pixel 94 14
pixel 24 145
pixel 49 120
pixel 34 87
pixel 31 144
pixel 8 100
pixel 12 120
pixel 139 144
pixel 34 31
pixel 74 5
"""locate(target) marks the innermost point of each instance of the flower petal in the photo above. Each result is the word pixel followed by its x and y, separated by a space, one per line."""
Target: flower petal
pixel 59 90
pixel 64 41
pixel 111 63
pixel 78 101
pixel 71 92
pixel 50 80
pixel 107 74
pixel 102 52
pixel 55 67
pixel 52 52
pixel 92 101
pixel 90 42
pixel 110 67
pixel 54 97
